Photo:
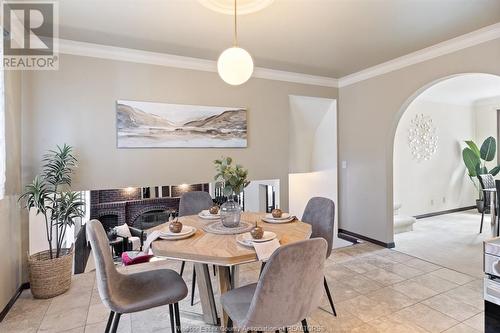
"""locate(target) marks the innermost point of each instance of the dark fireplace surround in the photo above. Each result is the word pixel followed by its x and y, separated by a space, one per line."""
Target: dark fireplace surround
pixel 126 205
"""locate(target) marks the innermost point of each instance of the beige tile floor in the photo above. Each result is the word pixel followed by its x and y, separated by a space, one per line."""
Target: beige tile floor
pixel 375 290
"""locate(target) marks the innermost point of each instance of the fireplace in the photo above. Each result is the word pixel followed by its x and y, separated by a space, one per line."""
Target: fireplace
pixel 109 221
pixel 139 207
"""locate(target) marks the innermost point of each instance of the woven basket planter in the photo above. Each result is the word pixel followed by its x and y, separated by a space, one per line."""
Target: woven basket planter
pixel 50 277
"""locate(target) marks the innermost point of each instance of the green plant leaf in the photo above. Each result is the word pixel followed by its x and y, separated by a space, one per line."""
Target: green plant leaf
pixel 471 161
pixel 488 149
pixel 228 190
pixel 472 145
pixel 481 170
pixel 495 170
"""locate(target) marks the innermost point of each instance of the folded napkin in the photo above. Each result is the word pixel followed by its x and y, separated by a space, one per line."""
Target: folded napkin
pixel 264 250
pixel 151 237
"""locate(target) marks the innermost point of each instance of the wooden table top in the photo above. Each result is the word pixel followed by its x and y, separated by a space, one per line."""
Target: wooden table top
pixel 223 250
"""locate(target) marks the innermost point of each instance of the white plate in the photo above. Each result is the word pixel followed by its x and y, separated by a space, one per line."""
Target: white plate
pixel 290 219
pixel 187 231
pixel 247 240
pixel 205 214
pixel 284 216
pixel 178 237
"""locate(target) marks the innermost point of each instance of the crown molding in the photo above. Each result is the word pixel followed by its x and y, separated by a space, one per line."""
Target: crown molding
pixel 72 47
pixel 169 60
pixel 483 35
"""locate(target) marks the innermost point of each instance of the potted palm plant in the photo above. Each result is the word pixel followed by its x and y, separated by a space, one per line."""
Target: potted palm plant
pixel 49 195
pixel 232 179
pixel 475 160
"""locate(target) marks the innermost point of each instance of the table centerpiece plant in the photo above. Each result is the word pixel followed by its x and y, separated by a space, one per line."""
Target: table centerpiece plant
pixel 232 179
pixel 49 195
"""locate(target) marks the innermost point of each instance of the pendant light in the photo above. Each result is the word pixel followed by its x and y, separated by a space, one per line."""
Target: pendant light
pixel 235 65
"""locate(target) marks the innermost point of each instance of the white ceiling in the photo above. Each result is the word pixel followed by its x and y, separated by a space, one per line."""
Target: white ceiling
pixel 464 89
pixel 320 37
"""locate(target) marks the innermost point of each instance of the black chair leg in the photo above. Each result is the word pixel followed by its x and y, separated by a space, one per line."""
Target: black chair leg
pixel 172 318
pixel 229 326
pixel 329 297
pixel 177 318
pixel 115 322
pixel 305 328
pixel 262 267
pixel 215 270
pixel 482 218
pixel 110 320
pixel 286 329
pixel 182 267
pixel 193 285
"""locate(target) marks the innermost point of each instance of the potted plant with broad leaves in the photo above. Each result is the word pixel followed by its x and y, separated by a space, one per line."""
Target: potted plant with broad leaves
pixel 475 160
pixel 232 179
pixel 49 195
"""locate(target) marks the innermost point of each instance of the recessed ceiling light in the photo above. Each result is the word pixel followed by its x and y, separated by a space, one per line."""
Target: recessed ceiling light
pixel 244 6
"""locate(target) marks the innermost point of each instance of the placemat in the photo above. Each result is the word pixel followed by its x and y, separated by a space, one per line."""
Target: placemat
pixel 219 229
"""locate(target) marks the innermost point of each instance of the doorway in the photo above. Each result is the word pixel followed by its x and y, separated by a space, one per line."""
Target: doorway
pixel 434 199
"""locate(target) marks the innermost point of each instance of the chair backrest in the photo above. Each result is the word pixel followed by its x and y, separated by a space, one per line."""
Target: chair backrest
pixel 320 214
pixel 107 277
pixel 192 203
pixel 291 285
pixel 487 181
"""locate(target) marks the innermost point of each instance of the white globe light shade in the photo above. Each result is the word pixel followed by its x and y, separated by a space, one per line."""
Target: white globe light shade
pixel 235 66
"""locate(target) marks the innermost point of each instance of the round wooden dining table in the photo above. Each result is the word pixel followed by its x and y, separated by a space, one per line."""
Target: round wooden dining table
pixel 223 251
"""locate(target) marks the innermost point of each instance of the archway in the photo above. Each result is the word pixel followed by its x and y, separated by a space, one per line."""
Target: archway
pixel 429 177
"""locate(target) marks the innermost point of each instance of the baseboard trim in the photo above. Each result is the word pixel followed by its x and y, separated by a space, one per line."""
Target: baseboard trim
pixel 13 300
pixel 348 238
pixel 443 212
pixel 368 239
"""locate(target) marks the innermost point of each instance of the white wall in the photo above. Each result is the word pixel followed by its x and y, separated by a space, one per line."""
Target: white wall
pixel 253 202
pixel 486 119
pixel 313 154
pixel 13 221
pixel 439 183
pixel 313 136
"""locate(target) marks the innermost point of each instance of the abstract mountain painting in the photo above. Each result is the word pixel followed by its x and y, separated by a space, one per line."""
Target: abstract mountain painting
pixel 160 125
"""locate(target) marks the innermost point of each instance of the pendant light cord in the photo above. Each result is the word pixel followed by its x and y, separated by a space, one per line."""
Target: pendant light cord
pixel 235 42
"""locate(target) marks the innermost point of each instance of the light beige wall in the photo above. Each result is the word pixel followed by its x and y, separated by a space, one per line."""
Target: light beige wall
pixel 368 115
pixel 13 224
pixel 76 105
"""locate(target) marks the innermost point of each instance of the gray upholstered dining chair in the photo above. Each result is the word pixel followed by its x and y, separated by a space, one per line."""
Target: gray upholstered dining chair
pixel 192 203
pixel 320 214
pixel 127 293
pixel 288 291
pixel 487 182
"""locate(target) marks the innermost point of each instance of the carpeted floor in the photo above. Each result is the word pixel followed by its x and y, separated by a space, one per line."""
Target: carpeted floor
pixel 451 240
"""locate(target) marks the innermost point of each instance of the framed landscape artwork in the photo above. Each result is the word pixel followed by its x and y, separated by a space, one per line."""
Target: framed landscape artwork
pixel 161 125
